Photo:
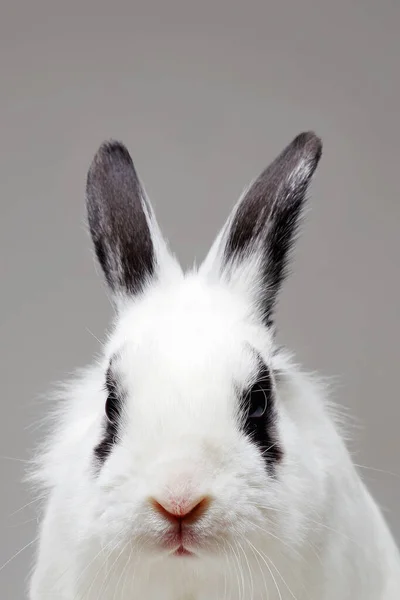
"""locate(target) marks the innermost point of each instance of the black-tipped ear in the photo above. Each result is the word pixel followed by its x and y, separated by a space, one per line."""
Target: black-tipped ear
pixel 119 220
pixel 255 243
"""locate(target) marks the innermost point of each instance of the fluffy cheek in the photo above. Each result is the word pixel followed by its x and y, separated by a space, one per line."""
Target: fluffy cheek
pixel 118 513
pixel 262 509
pixel 272 508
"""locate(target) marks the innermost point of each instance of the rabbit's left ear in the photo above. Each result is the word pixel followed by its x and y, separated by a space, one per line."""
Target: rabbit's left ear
pixel 129 245
pixel 252 249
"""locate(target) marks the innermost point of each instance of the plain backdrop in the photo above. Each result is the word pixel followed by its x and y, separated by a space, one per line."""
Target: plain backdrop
pixel 204 94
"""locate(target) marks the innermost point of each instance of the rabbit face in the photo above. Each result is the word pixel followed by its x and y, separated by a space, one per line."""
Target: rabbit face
pixel 190 420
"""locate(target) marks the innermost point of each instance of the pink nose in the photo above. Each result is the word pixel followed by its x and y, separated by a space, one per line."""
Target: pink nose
pixel 181 507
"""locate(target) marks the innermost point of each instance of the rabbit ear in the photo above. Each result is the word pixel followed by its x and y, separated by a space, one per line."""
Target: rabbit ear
pixel 252 249
pixel 127 240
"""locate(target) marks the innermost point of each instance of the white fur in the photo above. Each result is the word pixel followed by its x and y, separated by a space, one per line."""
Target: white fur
pixel 315 527
pixel 311 532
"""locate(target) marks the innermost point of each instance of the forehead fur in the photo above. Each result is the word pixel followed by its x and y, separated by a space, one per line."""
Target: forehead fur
pixel 189 326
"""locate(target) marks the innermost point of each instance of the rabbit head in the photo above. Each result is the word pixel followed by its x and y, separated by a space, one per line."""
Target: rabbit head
pixel 196 442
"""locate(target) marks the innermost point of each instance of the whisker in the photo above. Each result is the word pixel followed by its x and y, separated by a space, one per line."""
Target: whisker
pixel 25 506
pixel 249 569
pixel 268 567
pixel 318 523
pixel 377 470
pixel 277 538
pixel 13 458
pixel 126 576
pixel 123 570
pixel 13 525
pixel 261 571
pixel 281 576
pixel 241 580
pixel 104 562
pixel 18 553
pixel 92 334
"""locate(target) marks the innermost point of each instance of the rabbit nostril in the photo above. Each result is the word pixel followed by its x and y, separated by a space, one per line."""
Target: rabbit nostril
pixel 181 508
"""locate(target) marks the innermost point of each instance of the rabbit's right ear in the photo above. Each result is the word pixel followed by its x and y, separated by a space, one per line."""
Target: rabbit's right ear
pixel 126 237
pixel 251 252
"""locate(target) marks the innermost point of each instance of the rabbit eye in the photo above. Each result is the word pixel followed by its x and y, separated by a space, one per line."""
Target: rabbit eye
pixel 113 403
pixel 112 407
pixel 259 395
pixel 260 417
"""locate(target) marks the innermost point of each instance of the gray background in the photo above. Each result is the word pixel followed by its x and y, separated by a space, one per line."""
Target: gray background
pixel 205 94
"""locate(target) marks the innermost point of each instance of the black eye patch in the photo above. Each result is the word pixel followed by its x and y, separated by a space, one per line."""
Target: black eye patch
pixel 112 407
pixel 259 414
pixel 112 414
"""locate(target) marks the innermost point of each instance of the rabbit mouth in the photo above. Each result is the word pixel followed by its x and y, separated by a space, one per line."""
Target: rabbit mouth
pixel 181 542
pixel 182 551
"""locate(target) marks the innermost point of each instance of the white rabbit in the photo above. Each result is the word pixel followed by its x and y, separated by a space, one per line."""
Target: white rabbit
pixel 195 461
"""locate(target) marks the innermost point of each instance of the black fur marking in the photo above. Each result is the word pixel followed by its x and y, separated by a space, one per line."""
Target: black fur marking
pixel 266 220
pixel 262 430
pixel 113 409
pixel 118 224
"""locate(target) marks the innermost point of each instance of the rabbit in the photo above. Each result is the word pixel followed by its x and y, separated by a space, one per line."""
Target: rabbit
pixel 194 459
